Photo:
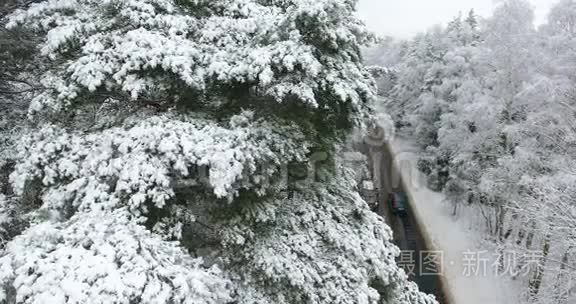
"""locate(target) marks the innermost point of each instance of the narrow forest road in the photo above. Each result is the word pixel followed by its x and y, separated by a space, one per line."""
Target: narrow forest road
pixel 408 234
pixel 467 275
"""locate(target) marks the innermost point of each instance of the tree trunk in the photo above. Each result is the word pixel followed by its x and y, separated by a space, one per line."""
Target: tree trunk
pixel 499 229
pixel 530 236
pixel 562 292
pixel 536 280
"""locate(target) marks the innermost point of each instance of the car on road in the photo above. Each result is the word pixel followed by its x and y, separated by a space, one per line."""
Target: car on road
pixel 398 201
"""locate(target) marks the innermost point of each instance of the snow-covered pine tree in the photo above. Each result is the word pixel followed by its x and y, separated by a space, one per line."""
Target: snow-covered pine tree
pixel 164 165
pixel 18 67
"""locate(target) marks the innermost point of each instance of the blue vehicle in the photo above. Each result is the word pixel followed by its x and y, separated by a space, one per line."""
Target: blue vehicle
pixel 398 202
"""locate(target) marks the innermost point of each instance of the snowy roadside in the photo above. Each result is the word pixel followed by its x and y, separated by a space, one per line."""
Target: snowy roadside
pixel 468 273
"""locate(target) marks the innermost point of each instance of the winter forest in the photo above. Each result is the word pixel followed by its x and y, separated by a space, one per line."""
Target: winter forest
pixel 491 103
pixel 211 151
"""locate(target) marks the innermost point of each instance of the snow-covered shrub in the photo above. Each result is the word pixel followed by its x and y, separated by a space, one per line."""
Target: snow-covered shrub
pixel 13 219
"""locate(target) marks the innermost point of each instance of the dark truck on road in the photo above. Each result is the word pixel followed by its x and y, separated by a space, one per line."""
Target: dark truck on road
pixel 398 202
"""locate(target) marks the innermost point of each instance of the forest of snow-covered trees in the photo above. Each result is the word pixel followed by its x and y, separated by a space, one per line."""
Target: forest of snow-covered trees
pixel 156 151
pixel 193 151
pixel 492 104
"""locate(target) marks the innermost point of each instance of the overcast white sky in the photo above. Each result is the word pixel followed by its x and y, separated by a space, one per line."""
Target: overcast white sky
pixel 404 18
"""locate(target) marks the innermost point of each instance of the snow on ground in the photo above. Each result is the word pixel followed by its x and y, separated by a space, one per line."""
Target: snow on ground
pixel 469 275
